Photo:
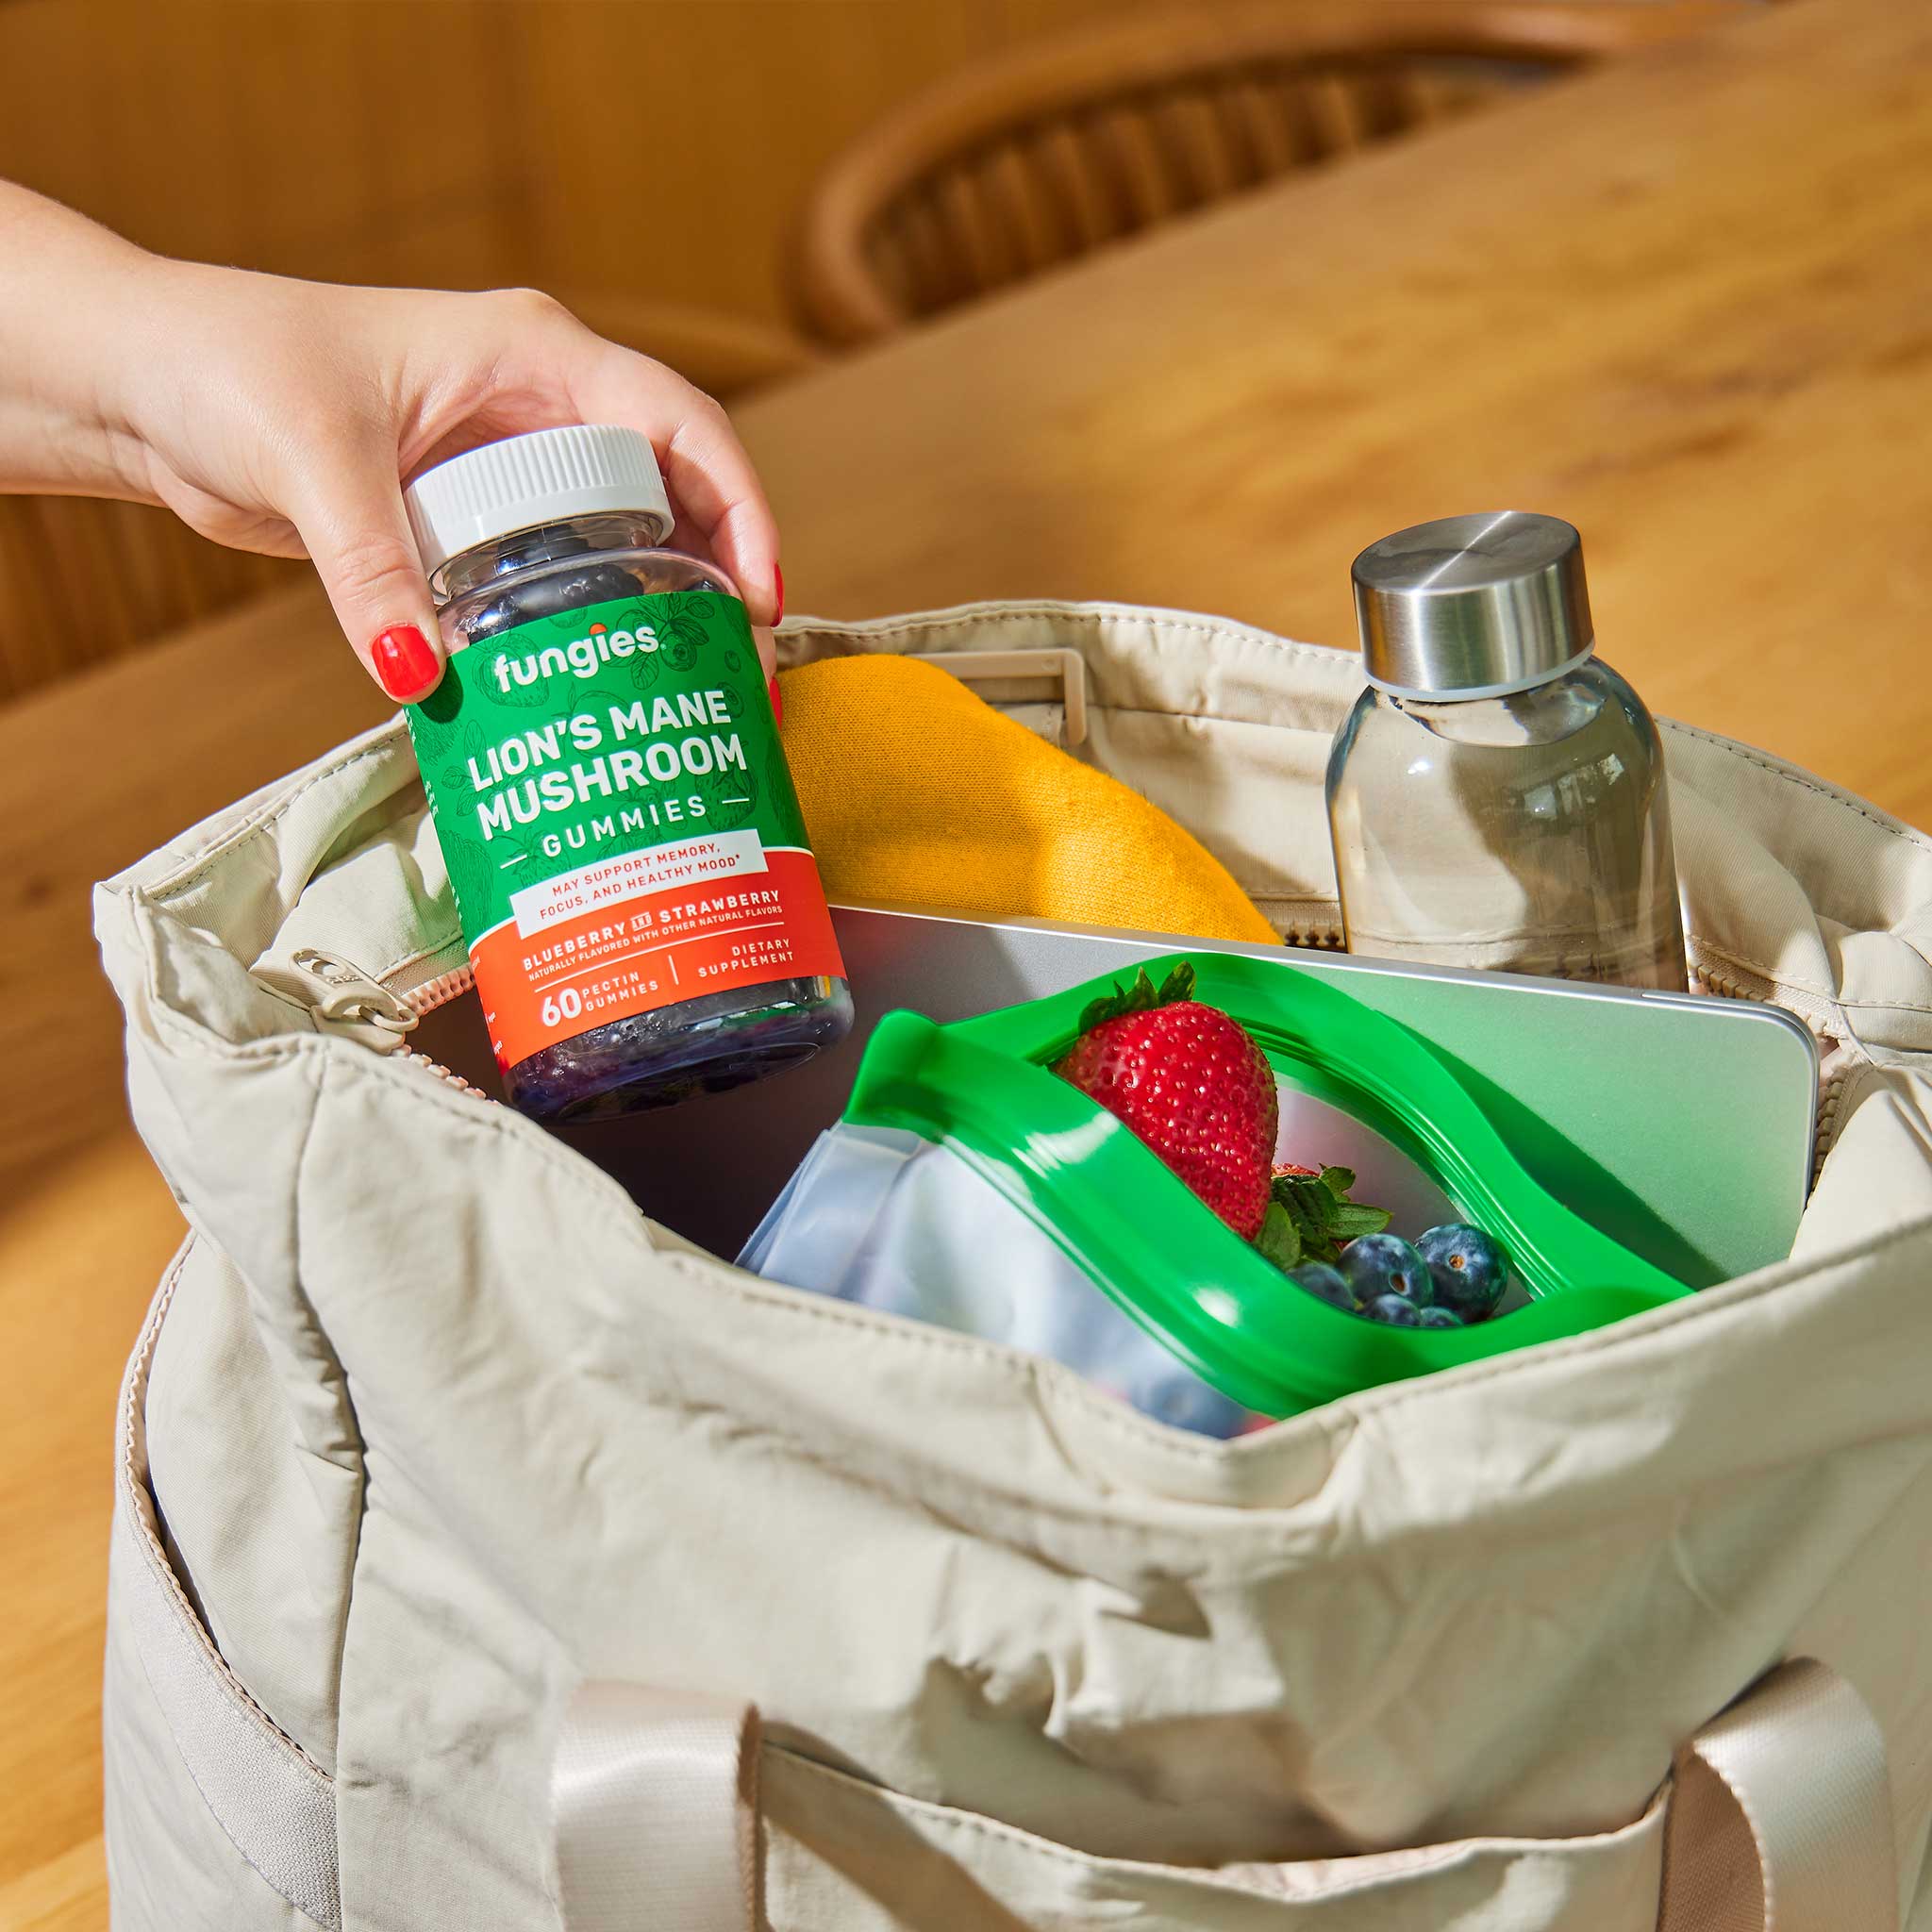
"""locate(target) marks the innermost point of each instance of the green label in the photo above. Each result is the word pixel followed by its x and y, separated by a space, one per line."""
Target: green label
pixel 604 731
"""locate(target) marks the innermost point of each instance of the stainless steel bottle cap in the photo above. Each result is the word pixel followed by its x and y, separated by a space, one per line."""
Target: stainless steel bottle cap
pixel 1473 607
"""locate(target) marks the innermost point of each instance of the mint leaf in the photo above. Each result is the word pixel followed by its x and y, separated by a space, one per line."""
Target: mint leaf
pixel 1352 1220
pixel 1323 1219
pixel 1309 1201
pixel 1279 1239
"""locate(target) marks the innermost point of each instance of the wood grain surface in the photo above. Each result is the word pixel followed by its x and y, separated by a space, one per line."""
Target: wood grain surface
pixel 645 150
pixel 82 1244
pixel 1689 305
pixel 1025 160
pixel 96 773
pixel 1686 304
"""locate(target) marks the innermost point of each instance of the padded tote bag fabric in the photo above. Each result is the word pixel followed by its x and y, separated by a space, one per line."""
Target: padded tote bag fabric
pixel 465 1516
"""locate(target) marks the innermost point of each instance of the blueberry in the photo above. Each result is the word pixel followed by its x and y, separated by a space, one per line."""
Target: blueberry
pixel 1397 1310
pixel 1325 1283
pixel 1440 1318
pixel 1468 1268
pixel 1143 1374
pixel 1182 1402
pixel 1374 1264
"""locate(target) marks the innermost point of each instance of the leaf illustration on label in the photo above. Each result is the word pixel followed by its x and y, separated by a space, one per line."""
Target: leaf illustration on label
pixel 680 639
pixel 779 779
pixel 471 868
pixel 597 703
pixel 475 755
pixel 503 687
pixel 507 851
pixel 557 795
pixel 730 797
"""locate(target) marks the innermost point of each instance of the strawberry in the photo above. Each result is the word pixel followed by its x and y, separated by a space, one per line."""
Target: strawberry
pixel 1190 1083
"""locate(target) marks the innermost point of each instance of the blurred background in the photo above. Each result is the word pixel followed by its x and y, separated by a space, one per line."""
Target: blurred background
pixel 741 188
pixel 1683 298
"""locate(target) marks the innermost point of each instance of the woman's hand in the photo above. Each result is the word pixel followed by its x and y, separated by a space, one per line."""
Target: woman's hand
pixel 283 417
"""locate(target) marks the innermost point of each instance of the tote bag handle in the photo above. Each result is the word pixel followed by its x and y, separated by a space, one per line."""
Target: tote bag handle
pixel 654 1797
pixel 1781 1816
pixel 1780 1819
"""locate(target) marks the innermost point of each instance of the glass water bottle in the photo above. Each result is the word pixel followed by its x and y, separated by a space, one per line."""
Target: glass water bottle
pixel 1497 795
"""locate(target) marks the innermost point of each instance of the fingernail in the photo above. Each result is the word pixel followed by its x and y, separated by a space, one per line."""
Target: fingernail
pixel 404 661
pixel 777 702
pixel 778 578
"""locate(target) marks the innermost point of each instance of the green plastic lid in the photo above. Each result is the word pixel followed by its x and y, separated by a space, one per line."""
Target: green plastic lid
pixel 982 1089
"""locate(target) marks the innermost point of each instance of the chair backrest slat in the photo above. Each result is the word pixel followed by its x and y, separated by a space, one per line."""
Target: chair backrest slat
pixel 1014 182
pixel 84 581
pixel 1253 104
pixel 1069 145
pixel 1197 141
pixel 1070 167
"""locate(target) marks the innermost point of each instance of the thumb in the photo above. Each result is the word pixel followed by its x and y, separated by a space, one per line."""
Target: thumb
pixel 357 536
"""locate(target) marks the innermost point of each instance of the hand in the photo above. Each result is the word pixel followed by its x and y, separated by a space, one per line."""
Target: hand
pixel 283 416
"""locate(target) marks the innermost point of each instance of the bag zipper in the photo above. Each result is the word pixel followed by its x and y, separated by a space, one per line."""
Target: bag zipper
pixel 347 999
pixel 400 1008
pixel 441 990
pixel 383 1014
pixel 426 998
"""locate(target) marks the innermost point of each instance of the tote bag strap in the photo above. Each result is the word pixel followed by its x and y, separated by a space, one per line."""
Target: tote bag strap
pixel 1781 1818
pixel 654 1797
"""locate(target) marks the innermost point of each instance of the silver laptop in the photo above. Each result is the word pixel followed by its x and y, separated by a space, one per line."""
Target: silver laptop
pixel 1681 1124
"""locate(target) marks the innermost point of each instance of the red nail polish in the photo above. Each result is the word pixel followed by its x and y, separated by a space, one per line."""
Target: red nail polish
pixel 777 702
pixel 778 578
pixel 404 661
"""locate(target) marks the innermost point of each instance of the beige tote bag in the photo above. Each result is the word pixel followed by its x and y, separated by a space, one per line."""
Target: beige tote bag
pixel 488 1556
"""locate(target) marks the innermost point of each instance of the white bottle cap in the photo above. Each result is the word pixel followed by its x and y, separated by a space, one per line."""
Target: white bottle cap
pixel 525 481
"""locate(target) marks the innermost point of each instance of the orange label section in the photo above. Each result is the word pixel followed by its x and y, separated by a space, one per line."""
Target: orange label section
pixel 653 949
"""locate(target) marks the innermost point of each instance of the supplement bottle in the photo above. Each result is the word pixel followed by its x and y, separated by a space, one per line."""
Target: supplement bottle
pixel 1496 798
pixel 638 895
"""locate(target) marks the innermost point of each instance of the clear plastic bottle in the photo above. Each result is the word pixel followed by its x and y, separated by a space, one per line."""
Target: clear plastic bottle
pixel 638 896
pixel 1497 796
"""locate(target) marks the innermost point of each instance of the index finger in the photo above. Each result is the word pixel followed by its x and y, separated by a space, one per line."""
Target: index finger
pixel 706 468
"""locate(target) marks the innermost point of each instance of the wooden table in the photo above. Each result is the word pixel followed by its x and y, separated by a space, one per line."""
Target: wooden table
pixel 1688 305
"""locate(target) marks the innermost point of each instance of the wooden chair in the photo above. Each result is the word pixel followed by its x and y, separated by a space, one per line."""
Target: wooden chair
pixel 82 582
pixel 1063 145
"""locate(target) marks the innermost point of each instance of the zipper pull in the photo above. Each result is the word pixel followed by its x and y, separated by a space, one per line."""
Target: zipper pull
pixel 350 1001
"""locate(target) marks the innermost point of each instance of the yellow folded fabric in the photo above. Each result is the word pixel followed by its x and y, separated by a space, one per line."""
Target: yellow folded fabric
pixel 918 794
